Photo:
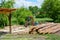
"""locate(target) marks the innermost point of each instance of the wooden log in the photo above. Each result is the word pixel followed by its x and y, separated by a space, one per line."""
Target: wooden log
pixel 55 29
pixel 43 29
pixel 48 29
pixel 42 26
pixel 33 28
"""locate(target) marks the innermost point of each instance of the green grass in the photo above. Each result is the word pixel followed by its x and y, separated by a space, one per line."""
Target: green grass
pixel 30 37
pixel 52 37
pixel 21 37
pixel 43 19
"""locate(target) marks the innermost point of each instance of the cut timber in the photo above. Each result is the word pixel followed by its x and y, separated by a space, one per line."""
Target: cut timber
pixel 36 28
pixel 48 26
pixel 54 30
pixel 42 30
pixel 46 29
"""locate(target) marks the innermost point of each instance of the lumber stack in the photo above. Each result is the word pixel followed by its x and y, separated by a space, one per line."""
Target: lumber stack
pixel 45 28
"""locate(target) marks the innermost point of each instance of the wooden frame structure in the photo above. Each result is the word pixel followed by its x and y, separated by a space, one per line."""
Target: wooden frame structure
pixel 8 11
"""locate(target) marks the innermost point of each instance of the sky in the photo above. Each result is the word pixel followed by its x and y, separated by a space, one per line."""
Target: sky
pixel 27 3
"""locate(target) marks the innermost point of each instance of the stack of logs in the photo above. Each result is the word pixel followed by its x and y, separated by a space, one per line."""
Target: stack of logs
pixel 45 28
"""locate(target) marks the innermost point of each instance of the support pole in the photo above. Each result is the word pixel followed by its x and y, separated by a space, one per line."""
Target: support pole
pixel 10 29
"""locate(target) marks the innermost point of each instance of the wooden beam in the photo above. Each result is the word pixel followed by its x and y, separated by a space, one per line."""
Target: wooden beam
pixel 10 29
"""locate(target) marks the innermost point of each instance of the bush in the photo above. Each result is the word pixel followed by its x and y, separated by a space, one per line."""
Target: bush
pixel 58 20
pixel 14 21
pixel 21 14
pixel 21 21
pixel 42 20
pixel 42 15
pixel 3 20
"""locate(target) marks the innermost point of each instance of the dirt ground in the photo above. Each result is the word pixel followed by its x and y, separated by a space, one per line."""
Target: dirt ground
pixel 19 29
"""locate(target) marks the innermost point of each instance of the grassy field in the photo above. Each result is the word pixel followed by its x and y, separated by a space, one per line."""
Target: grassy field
pixel 30 37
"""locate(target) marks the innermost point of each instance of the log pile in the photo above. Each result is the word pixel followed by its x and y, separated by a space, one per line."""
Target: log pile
pixel 45 28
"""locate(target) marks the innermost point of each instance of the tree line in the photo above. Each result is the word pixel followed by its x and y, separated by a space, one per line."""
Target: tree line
pixel 49 9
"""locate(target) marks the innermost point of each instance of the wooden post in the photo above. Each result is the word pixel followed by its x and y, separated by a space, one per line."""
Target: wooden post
pixel 10 29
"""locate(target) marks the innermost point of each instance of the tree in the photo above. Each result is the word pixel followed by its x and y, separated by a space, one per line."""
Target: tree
pixel 7 4
pixel 3 17
pixel 52 8
pixel 21 15
pixel 34 10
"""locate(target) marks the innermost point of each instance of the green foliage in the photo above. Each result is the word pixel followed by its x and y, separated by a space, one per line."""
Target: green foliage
pixel 42 15
pixel 21 21
pixel 3 20
pixel 7 4
pixel 50 11
pixel 58 20
pixel 21 15
pixel 52 8
pixel 34 10
pixel 43 20
pixel 4 17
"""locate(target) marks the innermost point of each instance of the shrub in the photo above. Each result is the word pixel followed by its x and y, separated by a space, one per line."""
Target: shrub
pixel 42 20
pixel 21 21
pixel 21 15
pixel 3 20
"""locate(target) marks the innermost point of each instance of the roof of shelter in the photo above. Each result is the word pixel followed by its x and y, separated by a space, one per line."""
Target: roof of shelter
pixel 7 9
